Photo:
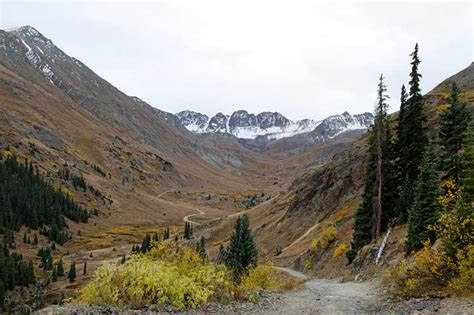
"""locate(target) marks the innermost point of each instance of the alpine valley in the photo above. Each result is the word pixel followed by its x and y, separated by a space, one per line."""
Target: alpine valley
pixel 147 205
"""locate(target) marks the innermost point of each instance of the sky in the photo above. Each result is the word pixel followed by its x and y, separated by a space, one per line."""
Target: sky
pixel 304 59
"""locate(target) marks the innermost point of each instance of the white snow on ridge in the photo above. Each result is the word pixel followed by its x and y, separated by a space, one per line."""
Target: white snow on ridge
pixel 274 126
pixel 48 73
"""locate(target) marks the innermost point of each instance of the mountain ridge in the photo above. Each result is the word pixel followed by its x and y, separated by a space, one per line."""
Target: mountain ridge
pixel 271 125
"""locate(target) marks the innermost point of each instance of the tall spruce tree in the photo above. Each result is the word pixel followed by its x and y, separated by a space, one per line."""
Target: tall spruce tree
pixel 380 130
pixel 425 208
pixel 412 137
pixel 400 143
pixel 454 123
pixel 375 211
pixel 242 251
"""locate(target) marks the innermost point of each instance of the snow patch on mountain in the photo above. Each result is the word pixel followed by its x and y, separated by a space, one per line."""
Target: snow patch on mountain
pixel 271 125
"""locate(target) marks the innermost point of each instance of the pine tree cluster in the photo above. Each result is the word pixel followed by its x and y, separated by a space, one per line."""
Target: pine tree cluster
pixel 403 176
pixel 146 243
pixel 26 199
pixel 13 272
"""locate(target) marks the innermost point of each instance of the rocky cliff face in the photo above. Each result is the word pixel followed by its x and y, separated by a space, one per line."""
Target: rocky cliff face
pixel 272 125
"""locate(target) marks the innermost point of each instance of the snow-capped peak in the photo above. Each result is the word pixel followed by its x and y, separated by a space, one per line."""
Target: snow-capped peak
pixel 272 125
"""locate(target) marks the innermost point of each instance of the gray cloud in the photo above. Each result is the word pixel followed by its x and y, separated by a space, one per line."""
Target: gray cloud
pixel 301 58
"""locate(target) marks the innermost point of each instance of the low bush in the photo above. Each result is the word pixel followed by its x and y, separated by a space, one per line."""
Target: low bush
pixel 173 273
pixel 168 274
pixel 259 278
pixel 327 237
pixel 339 250
pixel 446 268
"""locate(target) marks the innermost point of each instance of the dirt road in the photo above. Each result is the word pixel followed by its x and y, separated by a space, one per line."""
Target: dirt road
pixel 186 218
pixel 318 296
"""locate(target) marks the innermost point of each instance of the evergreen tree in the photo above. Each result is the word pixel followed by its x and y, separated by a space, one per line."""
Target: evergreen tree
pixel 412 137
pixel 187 230
pixel 72 273
pixel 402 136
pixel 35 240
pixel 467 170
pixel 3 293
pixel 146 244
pixel 425 208
pixel 242 252
pixel 60 267
pixel 202 248
pixel 166 234
pixel 454 122
pixel 376 209
pixel 380 130
pixel 54 276
pixel 84 271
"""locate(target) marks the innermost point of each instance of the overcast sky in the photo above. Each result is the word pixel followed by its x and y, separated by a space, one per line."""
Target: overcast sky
pixel 301 58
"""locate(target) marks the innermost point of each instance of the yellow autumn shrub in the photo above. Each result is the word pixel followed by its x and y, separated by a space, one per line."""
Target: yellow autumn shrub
pixel 308 263
pixel 328 235
pixel 339 250
pixel 169 274
pixel 172 273
pixel 448 267
pixel 259 278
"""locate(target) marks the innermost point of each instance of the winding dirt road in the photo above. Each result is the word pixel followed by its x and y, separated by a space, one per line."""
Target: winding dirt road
pixel 186 218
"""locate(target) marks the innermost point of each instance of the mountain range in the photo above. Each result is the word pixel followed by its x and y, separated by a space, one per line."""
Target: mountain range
pixel 271 125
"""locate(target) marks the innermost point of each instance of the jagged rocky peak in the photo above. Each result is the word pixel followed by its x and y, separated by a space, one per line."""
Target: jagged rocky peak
pixel 218 123
pixel 36 44
pixel 338 124
pixel 307 123
pixel 26 44
pixel 242 118
pixel 268 120
pixel 193 121
pixel 365 119
pixel 271 125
